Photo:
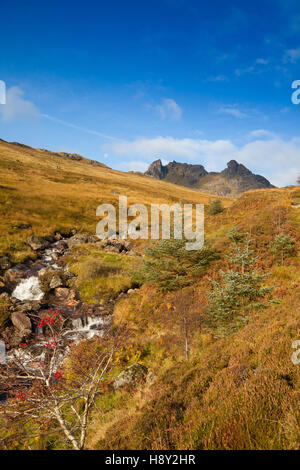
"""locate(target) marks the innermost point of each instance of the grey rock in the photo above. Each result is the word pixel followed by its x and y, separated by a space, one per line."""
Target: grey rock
pixel 78 239
pixel 55 282
pixel 130 376
pixel 50 279
pixel 37 243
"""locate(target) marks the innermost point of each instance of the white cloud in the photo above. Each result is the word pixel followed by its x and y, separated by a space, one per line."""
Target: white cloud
pixel 16 106
pixel 232 110
pixel 262 133
pixel 135 166
pixel 262 61
pixel 169 109
pixel 240 72
pixel 171 148
pixel 276 159
pixel 292 55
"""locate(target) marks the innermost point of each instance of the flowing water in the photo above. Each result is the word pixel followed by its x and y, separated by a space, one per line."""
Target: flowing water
pixel 28 289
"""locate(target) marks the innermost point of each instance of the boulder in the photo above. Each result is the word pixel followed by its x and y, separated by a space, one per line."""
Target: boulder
pixel 55 282
pixel 13 275
pixel 78 239
pixel 130 376
pixel 63 294
pixel 50 279
pixel 21 322
pixel 115 245
pixel 37 243
pixel 28 306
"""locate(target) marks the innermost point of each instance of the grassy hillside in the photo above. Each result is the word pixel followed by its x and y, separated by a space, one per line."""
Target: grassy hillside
pixel 50 191
pixel 239 390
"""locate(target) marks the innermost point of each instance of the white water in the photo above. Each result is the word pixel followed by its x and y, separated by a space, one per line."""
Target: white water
pixel 89 329
pixel 28 289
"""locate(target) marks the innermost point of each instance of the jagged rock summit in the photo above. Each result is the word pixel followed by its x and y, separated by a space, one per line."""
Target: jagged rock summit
pixel 232 181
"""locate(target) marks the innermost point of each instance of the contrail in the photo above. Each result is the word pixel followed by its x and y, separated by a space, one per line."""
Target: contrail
pixel 83 129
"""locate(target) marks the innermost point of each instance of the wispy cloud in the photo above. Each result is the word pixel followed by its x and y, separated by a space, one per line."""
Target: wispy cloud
pixel 17 107
pixel 168 109
pixel 79 128
pixel 262 61
pixel 217 78
pixel 262 133
pixel 232 110
pixel 240 72
pixel 292 55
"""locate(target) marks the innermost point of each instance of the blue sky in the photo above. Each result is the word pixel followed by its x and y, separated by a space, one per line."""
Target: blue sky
pixel 128 82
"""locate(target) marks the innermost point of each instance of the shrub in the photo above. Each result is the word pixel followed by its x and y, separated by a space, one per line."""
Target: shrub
pixel 282 246
pixel 170 266
pixel 239 287
pixel 215 207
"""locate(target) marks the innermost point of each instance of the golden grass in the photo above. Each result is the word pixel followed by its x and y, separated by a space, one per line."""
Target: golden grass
pixel 101 276
pixel 239 392
pixel 51 192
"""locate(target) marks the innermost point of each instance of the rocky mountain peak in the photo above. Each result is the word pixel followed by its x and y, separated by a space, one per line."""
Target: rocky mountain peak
pixel 235 169
pixel 232 181
pixel 156 170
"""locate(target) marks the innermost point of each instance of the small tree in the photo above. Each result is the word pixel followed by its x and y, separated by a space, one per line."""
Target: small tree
pixel 240 287
pixel 170 266
pixel 215 207
pixel 282 246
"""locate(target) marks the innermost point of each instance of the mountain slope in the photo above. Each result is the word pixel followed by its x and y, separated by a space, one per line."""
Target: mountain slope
pixel 48 191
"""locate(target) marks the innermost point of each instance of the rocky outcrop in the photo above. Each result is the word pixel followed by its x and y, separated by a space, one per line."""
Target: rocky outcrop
pixel 179 173
pixel 130 376
pixel 50 279
pixel 157 170
pixel 80 239
pixel 116 245
pixel 37 243
pixel 232 181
